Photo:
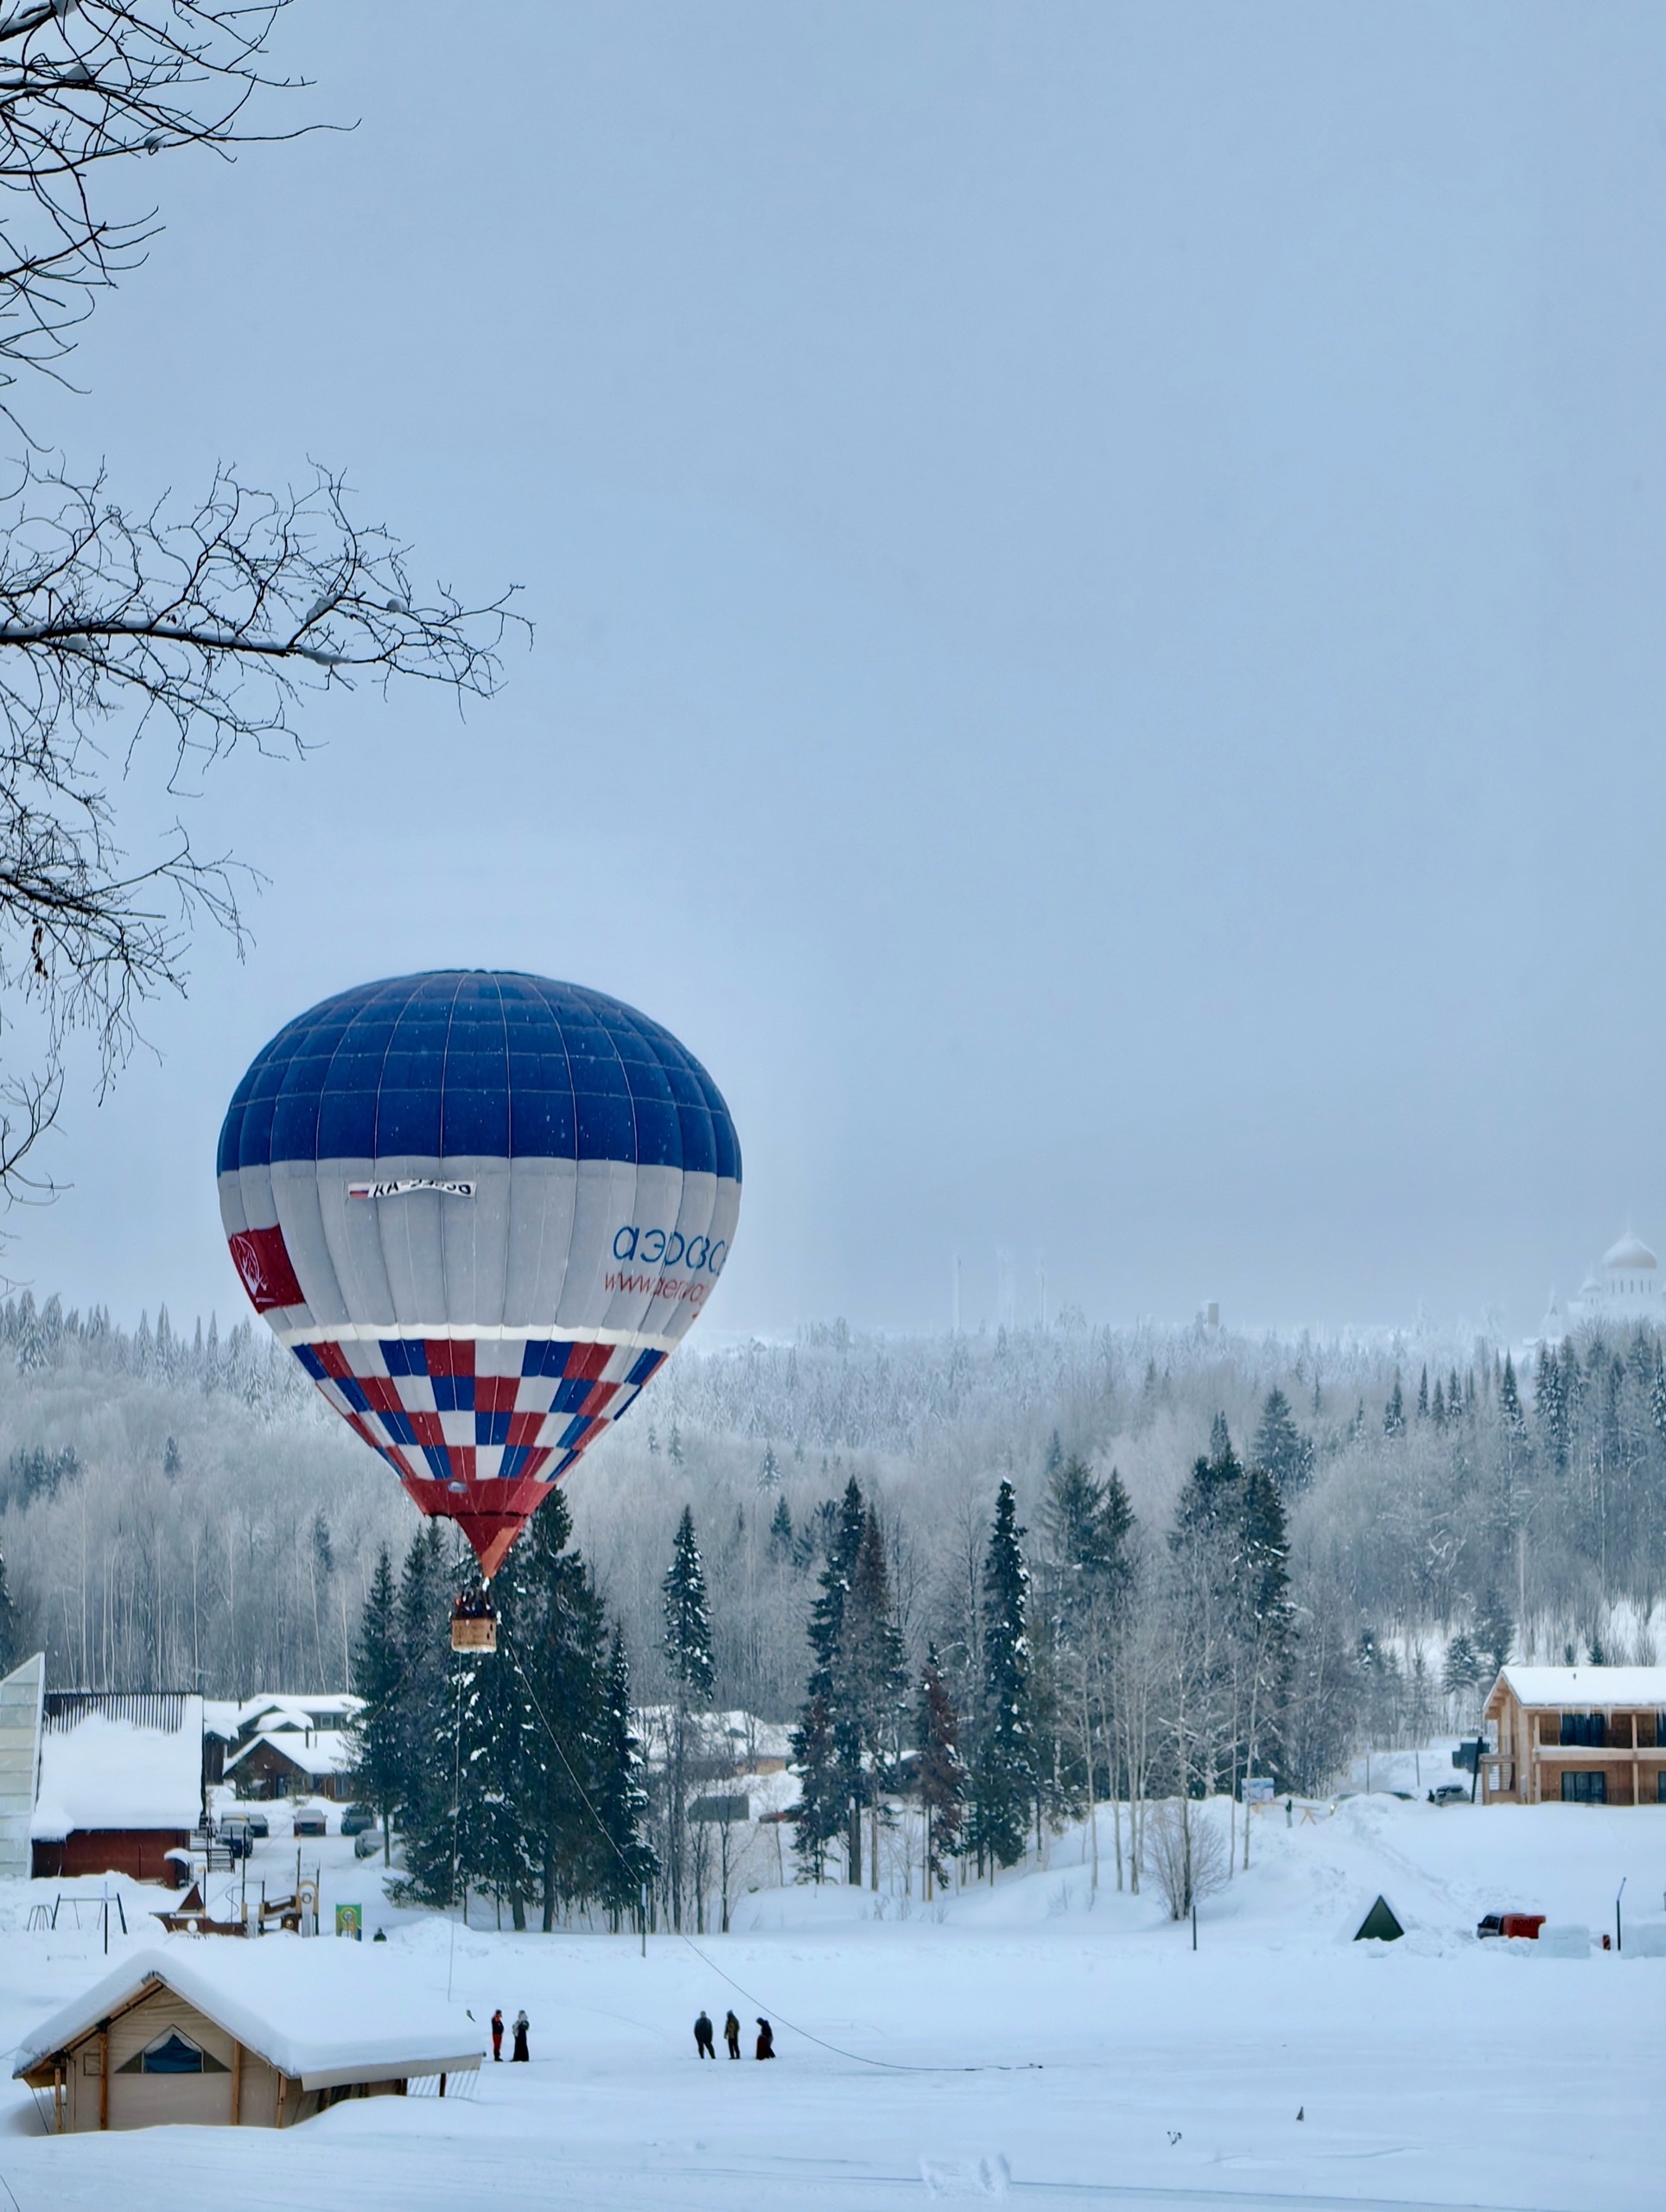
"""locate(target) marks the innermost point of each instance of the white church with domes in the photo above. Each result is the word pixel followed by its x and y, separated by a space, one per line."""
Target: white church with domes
pixel 1623 1288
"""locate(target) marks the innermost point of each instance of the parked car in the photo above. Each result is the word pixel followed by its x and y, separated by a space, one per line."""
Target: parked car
pixel 257 1825
pixel 1523 1926
pixel 1449 1793
pixel 357 1819
pixel 311 1824
pixel 234 1835
pixel 366 1844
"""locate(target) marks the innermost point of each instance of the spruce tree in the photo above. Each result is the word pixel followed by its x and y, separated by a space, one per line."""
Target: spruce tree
pixel 866 1690
pixel 825 1755
pixel 1495 1633
pixel 10 1654
pixel 380 1730
pixel 940 1774
pixel 1438 1404
pixel 1004 1777
pixel 781 1534
pixel 1423 1393
pixel 1509 1402
pixel 1394 1413
pixel 1280 1446
pixel 688 1656
pixel 629 1864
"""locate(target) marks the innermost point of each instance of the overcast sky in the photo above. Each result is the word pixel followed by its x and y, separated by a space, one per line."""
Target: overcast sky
pixel 1098 575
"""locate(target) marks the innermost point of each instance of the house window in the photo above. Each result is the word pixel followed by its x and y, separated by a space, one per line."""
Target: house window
pixel 1660 1788
pixel 1585 1789
pixel 172 2054
pixel 1584 1730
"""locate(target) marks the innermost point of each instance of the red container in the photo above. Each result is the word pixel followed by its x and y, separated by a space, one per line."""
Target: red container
pixel 1523 1923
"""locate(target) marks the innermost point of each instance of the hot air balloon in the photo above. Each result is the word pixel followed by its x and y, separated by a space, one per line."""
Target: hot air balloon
pixel 481 1209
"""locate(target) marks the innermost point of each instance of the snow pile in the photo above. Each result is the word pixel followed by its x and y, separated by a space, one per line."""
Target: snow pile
pixel 319 2011
pixel 105 1773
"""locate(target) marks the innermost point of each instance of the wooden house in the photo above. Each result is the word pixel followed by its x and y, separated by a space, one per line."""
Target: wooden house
pixel 1576 1736
pixel 119 1788
pixel 240 2035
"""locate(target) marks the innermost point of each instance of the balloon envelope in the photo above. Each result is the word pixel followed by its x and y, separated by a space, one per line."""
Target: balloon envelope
pixel 480 1209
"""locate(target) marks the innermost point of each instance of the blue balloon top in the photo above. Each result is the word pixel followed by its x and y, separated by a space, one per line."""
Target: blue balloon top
pixel 471 1063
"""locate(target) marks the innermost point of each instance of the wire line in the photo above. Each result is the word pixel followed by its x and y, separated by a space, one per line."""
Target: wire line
pixel 859 2058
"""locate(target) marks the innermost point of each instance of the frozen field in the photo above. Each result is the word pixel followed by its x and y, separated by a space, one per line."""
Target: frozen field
pixel 1092 2050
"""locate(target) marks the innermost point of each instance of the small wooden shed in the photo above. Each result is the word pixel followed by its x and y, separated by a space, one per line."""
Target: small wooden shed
pixel 245 2034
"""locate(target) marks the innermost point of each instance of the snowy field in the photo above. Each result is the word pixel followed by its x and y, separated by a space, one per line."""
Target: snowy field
pixel 1090 2049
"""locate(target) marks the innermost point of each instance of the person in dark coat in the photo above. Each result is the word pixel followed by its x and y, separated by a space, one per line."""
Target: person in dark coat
pixel 766 2040
pixel 497 2034
pixel 703 2045
pixel 521 2051
pixel 731 2033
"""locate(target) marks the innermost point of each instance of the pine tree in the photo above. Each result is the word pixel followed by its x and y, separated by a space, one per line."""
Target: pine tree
pixel 781 1534
pixel 939 1770
pixel 867 1691
pixel 1280 1446
pixel 1495 1633
pixel 1509 1404
pixel 1462 1670
pixel 1423 1395
pixel 1438 1407
pixel 1394 1413
pixel 688 1656
pixel 769 1472
pixel 824 1756
pixel 379 1733
pixel 629 1864
pixel 428 1709
pixel 10 1640
pixel 1004 1777
pixel 1265 1627
pixel 688 1618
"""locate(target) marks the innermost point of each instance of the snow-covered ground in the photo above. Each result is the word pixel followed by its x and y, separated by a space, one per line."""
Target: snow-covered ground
pixel 1082 2042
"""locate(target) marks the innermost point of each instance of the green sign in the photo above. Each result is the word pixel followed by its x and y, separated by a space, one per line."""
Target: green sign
pixel 350 1921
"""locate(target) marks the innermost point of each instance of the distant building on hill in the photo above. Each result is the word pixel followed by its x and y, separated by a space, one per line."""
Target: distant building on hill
pixel 1623 1288
pixel 1576 1736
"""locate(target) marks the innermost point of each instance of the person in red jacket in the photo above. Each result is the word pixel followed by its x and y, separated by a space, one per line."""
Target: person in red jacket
pixel 497 2034
pixel 766 2040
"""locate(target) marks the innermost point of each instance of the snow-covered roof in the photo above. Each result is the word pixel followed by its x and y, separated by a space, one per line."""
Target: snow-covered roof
pixel 1630 1252
pixel 101 1772
pixel 220 1716
pixel 321 2011
pixel 1585 1686
pixel 273 1710
pixel 318 1751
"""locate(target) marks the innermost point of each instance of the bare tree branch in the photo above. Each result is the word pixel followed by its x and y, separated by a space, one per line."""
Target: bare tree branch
pixel 203 626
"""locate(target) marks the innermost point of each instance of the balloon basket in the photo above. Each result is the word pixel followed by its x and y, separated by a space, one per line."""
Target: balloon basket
pixel 473 1625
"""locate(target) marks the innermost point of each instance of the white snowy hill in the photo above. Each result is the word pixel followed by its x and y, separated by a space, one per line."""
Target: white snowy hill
pixel 1080 2041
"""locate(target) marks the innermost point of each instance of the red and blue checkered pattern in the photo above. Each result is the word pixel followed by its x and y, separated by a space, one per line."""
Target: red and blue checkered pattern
pixel 478 1427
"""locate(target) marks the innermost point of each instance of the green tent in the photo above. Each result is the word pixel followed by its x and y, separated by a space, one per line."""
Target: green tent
pixel 1380 1925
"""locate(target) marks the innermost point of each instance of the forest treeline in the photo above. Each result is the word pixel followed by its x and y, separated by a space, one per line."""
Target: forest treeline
pixel 180 1509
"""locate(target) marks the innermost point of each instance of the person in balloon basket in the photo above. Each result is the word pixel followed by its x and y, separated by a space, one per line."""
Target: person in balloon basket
pixel 703 2044
pixel 521 2051
pixel 731 2033
pixel 766 2040
pixel 497 2034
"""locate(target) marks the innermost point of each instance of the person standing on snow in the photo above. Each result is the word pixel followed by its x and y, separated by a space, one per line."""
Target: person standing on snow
pixel 766 2040
pixel 497 2034
pixel 731 2033
pixel 702 2047
pixel 521 2051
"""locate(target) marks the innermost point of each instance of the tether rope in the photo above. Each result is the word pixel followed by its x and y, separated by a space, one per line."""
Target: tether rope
pixel 857 2057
